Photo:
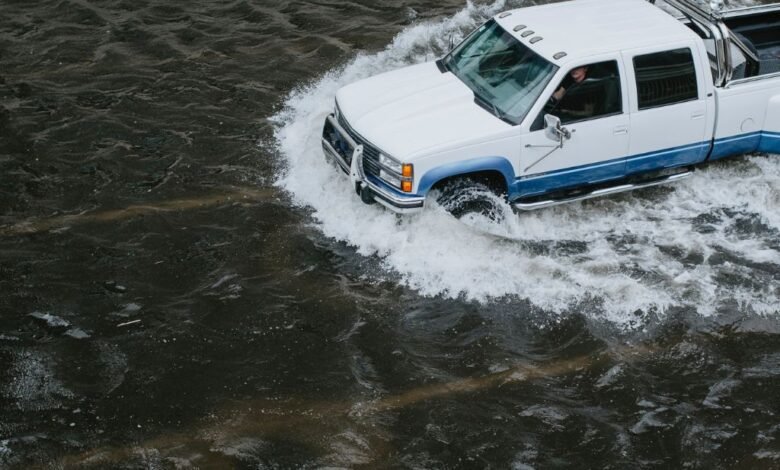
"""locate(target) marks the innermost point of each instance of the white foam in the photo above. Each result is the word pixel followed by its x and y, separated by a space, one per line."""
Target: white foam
pixel 4 449
pixel 630 251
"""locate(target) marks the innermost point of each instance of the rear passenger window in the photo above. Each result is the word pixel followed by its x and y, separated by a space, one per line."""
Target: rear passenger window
pixel 665 78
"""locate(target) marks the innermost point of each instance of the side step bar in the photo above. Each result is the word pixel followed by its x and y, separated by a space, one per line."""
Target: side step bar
pixel 530 206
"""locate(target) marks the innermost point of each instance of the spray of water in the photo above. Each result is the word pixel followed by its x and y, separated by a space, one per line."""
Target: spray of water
pixel 710 243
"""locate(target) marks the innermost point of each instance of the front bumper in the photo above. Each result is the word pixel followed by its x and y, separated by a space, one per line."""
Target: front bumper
pixel 368 188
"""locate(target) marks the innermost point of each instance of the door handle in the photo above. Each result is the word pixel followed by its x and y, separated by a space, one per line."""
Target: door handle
pixel 697 115
pixel 621 130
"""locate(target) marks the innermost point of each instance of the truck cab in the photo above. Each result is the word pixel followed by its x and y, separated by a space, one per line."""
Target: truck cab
pixel 547 110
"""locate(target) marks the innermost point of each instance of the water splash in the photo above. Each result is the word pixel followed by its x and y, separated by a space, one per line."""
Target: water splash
pixel 709 243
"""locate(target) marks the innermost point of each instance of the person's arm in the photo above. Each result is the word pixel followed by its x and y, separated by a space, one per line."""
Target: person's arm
pixel 559 93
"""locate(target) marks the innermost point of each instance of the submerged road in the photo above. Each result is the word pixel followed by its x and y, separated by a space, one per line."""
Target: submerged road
pixel 185 283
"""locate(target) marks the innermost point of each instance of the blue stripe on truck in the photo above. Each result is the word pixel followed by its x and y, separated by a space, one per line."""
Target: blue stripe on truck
pixel 770 142
pixel 569 177
pixel 612 169
pixel 678 156
pixel 604 171
pixel 737 144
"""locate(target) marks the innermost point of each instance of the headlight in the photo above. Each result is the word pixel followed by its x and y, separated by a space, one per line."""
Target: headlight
pixel 391 179
pixel 390 163
pixel 397 174
pixel 404 183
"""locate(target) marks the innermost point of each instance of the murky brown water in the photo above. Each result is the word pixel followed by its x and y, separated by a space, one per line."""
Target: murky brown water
pixel 177 289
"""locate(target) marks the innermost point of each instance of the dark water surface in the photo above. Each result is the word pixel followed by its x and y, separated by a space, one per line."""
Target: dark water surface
pixel 166 301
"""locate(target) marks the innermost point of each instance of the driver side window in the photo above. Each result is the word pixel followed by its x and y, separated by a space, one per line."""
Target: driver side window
pixel 587 92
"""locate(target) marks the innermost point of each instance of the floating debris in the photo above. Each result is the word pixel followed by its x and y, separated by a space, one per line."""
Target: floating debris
pixel 113 286
pixel 77 333
pixel 51 320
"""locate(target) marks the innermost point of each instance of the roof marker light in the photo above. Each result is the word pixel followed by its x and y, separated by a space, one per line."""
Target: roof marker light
pixel 560 55
pixel 716 5
pixel 536 39
pixel 505 14
pixel 527 33
pixel 520 27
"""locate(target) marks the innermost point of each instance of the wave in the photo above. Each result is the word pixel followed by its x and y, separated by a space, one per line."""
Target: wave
pixel 709 244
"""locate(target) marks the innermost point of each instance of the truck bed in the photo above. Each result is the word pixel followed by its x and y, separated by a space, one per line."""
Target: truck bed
pixel 761 32
pixel 770 58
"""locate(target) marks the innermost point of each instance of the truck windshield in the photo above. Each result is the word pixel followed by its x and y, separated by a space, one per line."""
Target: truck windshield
pixel 506 76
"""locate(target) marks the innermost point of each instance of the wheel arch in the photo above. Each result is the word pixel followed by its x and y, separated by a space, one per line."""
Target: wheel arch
pixel 497 170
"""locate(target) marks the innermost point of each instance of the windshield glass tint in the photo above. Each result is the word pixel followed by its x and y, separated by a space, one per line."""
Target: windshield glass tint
pixel 506 76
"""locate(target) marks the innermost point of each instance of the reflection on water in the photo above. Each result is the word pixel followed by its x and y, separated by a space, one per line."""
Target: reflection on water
pixel 184 283
pixel 235 196
pixel 247 424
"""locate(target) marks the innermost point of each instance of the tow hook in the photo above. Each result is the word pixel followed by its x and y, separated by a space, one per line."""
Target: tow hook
pixel 366 195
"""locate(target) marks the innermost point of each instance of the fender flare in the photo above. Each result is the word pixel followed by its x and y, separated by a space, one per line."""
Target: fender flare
pixel 497 164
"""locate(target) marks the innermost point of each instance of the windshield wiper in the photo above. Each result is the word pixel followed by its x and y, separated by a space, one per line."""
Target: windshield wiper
pixel 491 107
pixel 481 96
pixel 504 52
pixel 443 65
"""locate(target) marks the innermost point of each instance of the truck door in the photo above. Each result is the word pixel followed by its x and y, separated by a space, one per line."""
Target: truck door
pixel 671 109
pixel 595 111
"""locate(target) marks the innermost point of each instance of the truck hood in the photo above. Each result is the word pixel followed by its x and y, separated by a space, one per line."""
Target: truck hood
pixel 415 111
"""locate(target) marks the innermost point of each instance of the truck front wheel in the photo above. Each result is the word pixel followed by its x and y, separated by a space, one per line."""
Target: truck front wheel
pixel 466 196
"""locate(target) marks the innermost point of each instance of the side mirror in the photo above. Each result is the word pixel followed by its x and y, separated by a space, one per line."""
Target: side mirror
pixel 553 129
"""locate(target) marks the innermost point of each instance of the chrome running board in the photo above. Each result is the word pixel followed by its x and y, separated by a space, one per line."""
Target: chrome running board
pixel 530 206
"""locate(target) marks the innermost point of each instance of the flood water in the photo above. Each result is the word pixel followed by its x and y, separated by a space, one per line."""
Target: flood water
pixel 185 283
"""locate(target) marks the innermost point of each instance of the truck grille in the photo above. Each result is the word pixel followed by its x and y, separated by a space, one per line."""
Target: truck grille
pixel 370 152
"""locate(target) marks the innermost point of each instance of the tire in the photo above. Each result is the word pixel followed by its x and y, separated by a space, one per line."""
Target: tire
pixel 466 197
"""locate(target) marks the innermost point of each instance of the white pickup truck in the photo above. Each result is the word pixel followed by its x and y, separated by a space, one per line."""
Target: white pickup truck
pixel 566 101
